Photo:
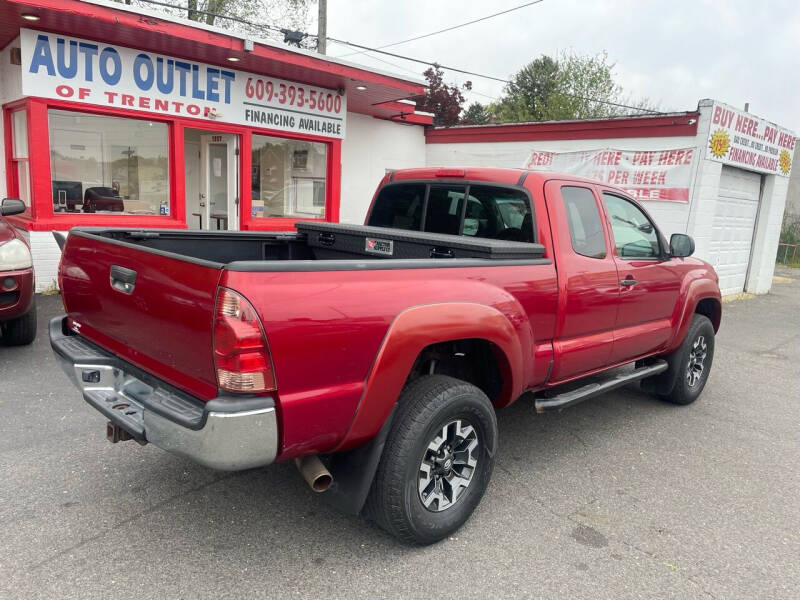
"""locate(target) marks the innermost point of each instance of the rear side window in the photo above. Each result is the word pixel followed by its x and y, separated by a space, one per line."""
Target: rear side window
pixel 482 211
pixel 585 224
pixel 399 206
pixel 443 213
pixel 498 213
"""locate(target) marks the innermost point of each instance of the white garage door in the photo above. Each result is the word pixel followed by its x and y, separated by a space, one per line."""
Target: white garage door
pixel 732 230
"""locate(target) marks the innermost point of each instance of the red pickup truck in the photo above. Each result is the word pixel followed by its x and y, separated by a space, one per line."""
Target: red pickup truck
pixel 377 355
pixel 17 307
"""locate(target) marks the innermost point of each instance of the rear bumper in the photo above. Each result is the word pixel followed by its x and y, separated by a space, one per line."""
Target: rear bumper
pixel 16 297
pixel 228 433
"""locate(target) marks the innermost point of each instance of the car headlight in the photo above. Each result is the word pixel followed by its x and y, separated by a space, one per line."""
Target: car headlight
pixel 14 255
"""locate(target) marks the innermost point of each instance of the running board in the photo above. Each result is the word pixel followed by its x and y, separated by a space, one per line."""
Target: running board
pixel 594 389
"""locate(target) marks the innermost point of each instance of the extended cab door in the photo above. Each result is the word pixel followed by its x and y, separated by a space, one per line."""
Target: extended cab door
pixel 588 283
pixel 649 282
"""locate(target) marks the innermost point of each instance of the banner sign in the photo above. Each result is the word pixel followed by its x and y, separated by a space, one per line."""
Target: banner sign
pixel 76 70
pixel 663 175
pixel 739 139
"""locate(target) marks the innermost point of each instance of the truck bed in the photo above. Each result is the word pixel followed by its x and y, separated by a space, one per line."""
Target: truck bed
pixel 120 285
pixel 316 242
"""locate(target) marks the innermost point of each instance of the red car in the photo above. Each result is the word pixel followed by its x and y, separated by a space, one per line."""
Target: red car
pixel 17 307
pixel 377 355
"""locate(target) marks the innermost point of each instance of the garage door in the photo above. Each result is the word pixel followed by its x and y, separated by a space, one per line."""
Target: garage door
pixel 732 230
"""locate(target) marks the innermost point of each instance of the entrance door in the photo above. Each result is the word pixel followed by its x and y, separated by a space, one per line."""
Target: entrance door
pixel 219 181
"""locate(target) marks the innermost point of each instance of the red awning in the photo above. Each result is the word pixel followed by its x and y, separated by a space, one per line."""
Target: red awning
pixel 146 30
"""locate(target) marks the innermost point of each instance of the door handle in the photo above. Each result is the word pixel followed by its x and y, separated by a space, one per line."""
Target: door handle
pixel 627 282
pixel 122 279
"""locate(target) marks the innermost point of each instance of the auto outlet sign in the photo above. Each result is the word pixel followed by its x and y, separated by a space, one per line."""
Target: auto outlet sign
pixel 77 70
pixel 742 140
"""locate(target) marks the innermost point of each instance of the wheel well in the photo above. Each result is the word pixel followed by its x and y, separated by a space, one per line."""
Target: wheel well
pixel 711 308
pixel 477 361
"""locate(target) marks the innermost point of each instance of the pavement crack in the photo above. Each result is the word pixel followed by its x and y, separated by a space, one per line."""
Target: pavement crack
pixel 155 507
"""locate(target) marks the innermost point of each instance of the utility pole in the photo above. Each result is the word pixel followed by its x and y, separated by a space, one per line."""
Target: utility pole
pixel 322 26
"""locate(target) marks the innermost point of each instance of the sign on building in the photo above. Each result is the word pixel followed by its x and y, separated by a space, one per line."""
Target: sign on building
pixel 77 70
pixel 742 140
pixel 663 175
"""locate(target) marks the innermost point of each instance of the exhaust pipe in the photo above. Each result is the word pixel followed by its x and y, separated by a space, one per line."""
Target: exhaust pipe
pixel 314 472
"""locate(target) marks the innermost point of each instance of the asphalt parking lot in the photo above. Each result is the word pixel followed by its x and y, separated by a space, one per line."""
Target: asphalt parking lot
pixel 620 497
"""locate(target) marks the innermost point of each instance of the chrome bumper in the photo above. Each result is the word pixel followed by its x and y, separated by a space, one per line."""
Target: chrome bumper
pixel 228 433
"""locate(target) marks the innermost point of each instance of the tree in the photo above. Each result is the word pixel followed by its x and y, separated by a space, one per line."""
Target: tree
pixel 476 114
pixel 572 87
pixel 278 14
pixel 443 100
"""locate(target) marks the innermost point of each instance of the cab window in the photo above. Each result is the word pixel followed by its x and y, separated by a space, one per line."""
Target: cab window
pixel 635 236
pixel 584 221
pixel 483 211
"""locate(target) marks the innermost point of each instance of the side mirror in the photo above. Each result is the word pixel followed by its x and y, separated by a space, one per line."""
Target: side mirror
pixel 681 245
pixel 11 206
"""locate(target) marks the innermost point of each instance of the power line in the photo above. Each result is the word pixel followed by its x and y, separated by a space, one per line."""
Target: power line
pixel 419 37
pixel 492 77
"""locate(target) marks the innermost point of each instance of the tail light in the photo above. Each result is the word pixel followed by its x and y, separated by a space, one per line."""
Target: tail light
pixel 241 354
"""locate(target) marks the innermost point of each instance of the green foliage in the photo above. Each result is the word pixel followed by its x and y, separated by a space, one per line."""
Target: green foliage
pixel 570 87
pixel 476 114
pixel 790 234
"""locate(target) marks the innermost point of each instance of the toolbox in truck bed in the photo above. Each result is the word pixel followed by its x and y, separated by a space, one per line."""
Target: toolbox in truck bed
pixel 341 240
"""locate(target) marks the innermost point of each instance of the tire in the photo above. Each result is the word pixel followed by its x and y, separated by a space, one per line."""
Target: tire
pixel 689 366
pixel 22 330
pixel 429 407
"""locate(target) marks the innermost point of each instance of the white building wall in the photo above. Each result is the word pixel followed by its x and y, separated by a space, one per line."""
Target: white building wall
pixel 370 147
pixel 767 234
pixel 672 217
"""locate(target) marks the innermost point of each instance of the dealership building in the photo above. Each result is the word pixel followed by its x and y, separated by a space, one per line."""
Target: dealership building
pixel 122 117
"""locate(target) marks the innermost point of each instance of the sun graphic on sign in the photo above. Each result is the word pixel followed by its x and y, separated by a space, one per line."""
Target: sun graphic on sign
pixel 720 143
pixel 785 162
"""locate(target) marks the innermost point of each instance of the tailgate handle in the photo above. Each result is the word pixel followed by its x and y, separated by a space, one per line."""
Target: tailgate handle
pixel 123 279
pixel 327 239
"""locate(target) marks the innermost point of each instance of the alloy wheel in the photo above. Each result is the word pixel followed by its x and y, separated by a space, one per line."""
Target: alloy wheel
pixel 697 357
pixel 448 465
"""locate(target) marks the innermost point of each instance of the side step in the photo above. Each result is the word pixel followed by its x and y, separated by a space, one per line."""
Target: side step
pixel 600 387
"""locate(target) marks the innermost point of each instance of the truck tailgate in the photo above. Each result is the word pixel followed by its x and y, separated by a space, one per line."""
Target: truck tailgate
pixel 161 321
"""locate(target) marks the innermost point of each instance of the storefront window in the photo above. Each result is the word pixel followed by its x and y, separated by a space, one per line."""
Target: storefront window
pixel 108 164
pixel 288 178
pixel 19 155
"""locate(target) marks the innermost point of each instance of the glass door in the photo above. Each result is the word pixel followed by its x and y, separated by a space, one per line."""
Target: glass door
pixel 219 181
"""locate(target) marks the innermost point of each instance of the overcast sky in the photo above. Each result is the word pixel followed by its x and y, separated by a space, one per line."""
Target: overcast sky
pixel 673 52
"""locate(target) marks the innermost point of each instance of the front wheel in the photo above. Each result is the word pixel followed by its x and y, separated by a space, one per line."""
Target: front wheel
pixel 437 460
pixel 22 330
pixel 689 365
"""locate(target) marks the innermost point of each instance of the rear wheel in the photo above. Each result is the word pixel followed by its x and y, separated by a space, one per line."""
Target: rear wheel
pixel 689 365
pixel 437 460
pixel 22 330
